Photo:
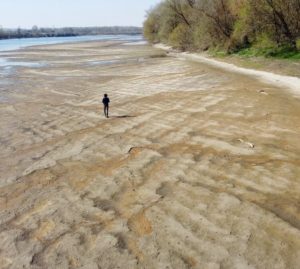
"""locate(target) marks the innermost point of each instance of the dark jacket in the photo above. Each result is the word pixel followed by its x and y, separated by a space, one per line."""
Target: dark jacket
pixel 105 101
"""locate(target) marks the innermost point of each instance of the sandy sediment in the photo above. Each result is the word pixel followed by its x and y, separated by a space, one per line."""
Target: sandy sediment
pixel 291 83
pixel 197 167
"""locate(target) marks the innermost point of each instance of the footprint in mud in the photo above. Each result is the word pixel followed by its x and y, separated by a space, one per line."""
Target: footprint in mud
pixel 103 204
pixel 164 190
pixel 263 92
pixel 121 241
pixel 46 122
pixel 26 129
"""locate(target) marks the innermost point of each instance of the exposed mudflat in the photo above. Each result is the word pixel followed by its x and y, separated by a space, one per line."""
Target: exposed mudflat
pixel 197 167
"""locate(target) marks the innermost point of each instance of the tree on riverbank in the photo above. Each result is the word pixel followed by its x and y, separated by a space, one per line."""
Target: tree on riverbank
pixel 67 31
pixel 232 25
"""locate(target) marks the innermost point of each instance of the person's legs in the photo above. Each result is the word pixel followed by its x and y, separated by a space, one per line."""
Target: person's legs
pixel 107 108
pixel 106 111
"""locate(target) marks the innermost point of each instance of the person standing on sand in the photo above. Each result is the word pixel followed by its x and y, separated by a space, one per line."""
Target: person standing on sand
pixel 105 102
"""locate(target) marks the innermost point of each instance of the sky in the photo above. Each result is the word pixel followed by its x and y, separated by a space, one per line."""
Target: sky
pixel 60 13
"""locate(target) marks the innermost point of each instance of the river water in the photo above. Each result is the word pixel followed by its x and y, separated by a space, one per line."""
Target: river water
pixel 14 44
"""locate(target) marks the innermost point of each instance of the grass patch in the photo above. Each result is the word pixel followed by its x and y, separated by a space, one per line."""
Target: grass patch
pixel 279 53
pixel 217 53
pixel 159 55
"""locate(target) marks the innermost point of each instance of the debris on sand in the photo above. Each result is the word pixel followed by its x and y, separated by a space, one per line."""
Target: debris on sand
pixel 250 145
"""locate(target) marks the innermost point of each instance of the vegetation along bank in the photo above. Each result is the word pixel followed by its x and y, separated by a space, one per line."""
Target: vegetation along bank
pixel 247 27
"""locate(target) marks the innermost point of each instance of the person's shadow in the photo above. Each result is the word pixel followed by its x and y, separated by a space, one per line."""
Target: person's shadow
pixel 122 116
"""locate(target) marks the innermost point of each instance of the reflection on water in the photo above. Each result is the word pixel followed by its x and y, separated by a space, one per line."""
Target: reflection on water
pixel 14 44
pixel 105 62
pixel 6 63
pixel 6 66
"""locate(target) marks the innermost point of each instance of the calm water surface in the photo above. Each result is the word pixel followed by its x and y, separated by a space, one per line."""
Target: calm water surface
pixel 14 44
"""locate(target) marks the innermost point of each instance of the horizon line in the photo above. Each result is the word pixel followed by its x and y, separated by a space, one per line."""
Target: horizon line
pixel 58 27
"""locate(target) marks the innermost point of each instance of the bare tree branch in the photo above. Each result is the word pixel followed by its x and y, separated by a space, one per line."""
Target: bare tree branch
pixel 175 5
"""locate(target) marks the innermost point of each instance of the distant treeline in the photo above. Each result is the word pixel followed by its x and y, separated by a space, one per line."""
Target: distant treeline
pixel 67 31
pixel 230 25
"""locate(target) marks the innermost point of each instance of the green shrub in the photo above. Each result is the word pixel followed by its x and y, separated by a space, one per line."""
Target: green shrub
pixel 202 38
pixel 264 41
pixel 298 43
pixel 248 28
pixel 181 37
pixel 275 52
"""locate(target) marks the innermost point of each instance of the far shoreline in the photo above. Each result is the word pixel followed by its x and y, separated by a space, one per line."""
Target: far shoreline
pixel 28 37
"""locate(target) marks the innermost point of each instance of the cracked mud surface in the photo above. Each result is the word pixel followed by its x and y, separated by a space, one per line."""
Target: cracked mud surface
pixel 195 168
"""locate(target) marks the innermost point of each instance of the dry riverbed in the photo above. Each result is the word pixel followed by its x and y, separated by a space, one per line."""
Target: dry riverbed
pixel 197 167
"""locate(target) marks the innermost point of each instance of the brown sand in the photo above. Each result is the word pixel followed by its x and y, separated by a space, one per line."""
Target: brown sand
pixel 196 168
